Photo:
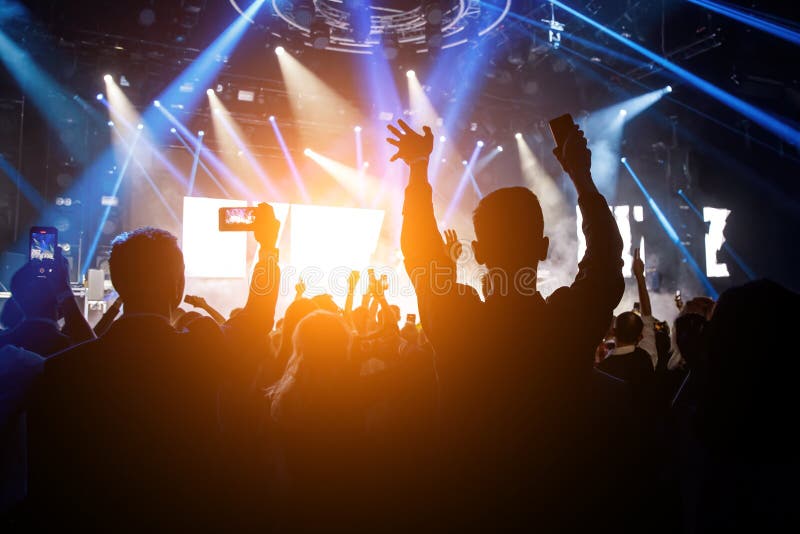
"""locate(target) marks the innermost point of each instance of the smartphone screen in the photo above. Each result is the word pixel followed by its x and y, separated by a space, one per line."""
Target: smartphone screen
pixel 560 128
pixel 43 243
pixel 236 219
pixel 411 318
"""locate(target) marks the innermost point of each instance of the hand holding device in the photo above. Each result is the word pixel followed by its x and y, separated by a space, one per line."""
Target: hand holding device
pixel 43 247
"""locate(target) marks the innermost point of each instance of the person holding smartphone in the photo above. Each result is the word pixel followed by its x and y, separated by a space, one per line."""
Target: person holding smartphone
pixel 514 371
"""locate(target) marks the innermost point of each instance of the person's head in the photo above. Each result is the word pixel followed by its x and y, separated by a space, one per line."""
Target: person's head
pixel 627 329
pixel 186 319
pixel 360 320
pixel 147 270
pixel 325 302
pixel 295 313
pixel 509 230
pixel 34 294
pixel 318 366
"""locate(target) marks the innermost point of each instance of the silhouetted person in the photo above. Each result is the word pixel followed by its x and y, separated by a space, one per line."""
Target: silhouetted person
pixel 128 429
pixel 43 300
pixel 318 410
pixel 515 370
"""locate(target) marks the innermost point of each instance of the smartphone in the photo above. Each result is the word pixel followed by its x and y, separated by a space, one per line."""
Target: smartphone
pixel 560 128
pixel 43 243
pixel 411 318
pixel 637 307
pixel 236 219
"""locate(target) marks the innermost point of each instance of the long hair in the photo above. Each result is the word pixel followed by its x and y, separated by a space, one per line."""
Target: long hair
pixel 318 371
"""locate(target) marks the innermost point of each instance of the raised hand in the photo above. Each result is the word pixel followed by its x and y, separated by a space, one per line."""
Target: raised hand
pixel 638 264
pixel 453 246
pixel 193 300
pixel 266 226
pixel 352 281
pixel 574 156
pixel 300 288
pixel 411 146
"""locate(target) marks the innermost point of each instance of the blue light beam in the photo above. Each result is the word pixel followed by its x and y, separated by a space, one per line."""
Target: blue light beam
pixel 758 116
pixel 753 21
pixel 672 234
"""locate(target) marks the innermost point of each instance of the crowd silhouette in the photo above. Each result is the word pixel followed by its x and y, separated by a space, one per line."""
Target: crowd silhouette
pixel 500 410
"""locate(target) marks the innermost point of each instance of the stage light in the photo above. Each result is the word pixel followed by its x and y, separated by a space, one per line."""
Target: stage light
pixel 140 126
pixel 201 133
pixel 499 148
pixel 464 162
pixel 217 111
pixel 99 96
pixel 272 118
pixel 480 144
pixel 357 129
pixel 442 139
pixel 107 78
pixel 157 103
pixel 279 50
pixel 366 165
pixel 209 91
pixel 307 151
pixel 623 159
pixel 411 73
pixel 623 112
pixel 110 123
pixel 173 130
pixel 518 135
pixel 668 89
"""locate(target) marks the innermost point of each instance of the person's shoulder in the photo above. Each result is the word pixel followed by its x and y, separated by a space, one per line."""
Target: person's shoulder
pixel 202 330
pixel 71 356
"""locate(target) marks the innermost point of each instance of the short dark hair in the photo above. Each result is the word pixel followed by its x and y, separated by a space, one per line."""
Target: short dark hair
pixel 508 218
pixel 145 264
pixel 627 328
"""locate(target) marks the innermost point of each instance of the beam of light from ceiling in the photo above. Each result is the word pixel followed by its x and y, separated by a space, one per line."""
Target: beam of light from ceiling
pixel 218 165
pixel 356 181
pixel 760 117
pixel 751 19
pixel 298 179
pixel 203 166
pixel 462 183
pixel 603 129
pixel 232 130
pixel 671 233
pixel 89 259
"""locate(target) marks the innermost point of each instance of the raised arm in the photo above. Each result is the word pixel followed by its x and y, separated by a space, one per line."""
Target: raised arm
pixel 648 341
pixel 352 282
pixel 200 302
pixel 599 284
pixel 76 327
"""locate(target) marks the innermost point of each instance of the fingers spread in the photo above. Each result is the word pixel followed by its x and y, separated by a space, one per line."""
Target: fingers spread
pixel 391 141
pixel 394 130
pixel 406 128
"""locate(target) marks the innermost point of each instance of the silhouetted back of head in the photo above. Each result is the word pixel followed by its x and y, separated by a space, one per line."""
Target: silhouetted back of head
pixel 295 313
pixel 509 229
pixel 33 294
pixel 11 315
pixel 628 328
pixel 147 269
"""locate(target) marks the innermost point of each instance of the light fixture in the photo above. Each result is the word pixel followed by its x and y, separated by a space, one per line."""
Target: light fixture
pixel 357 129
pixel 140 126
pixel 272 118
pixel 623 112
pixel 110 123
pixel 623 159
pixel 479 143
pixel 99 96
pixel 410 73
pixel 518 135
pixel 668 89
pixel 279 50
pixel 307 151
pixel 108 78
pixel 210 92
pixel 201 133
pixel 442 139
pixel 173 130
pixel 499 148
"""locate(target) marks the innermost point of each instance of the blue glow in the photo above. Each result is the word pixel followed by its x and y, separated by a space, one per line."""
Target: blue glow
pixel 49 98
pixel 195 161
pixel 99 96
pixel 202 165
pixel 762 118
pixel 89 259
pixel 751 20
pixel 672 234
pixel 466 177
pixel 748 272
pixel 298 180
pixel 28 191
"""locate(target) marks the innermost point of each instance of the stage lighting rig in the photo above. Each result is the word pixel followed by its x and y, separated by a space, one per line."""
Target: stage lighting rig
pixel 379 26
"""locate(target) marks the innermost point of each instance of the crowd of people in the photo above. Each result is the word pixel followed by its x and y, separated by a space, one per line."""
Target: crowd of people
pixel 503 409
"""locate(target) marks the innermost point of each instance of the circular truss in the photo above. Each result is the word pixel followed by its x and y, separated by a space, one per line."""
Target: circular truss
pixel 402 22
